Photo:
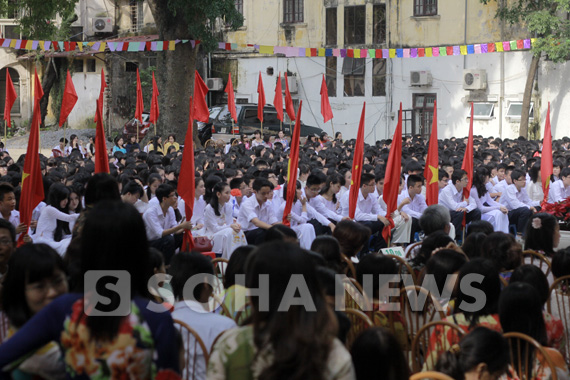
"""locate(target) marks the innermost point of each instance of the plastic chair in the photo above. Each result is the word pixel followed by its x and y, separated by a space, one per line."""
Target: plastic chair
pixel 193 347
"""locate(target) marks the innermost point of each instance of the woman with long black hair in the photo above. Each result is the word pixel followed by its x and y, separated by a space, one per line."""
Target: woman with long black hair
pixel 491 210
pixel 53 224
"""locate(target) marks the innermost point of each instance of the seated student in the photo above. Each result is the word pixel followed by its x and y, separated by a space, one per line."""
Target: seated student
pixel 481 354
pixel 256 216
pixel 191 307
pixel 403 231
pixel 443 180
pixel 452 197
pixel 59 150
pixel 7 244
pixel 298 217
pixel 237 194
pixel 8 207
pixel 506 181
pixel 320 222
pixel 327 202
pixel 132 192
pixel 162 231
pixel 516 199
pixel 415 203
pixel 560 190
pixel 368 211
pixel 504 251
pixel 542 234
pixel 491 210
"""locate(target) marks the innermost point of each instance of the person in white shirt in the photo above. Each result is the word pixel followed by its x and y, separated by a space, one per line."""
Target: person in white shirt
pixel 560 190
pixel 452 198
pixel 298 217
pixel 516 199
pixel 415 204
pixel 59 150
pixel 327 203
pixel 8 208
pixel 368 212
pixel 199 207
pixel 322 225
pixel 402 232
pixel 443 180
pixel 237 191
pixel 534 186
pixel 191 308
pixel 506 181
pixel 256 216
pixel 162 230
pixel 226 235
pixel 491 210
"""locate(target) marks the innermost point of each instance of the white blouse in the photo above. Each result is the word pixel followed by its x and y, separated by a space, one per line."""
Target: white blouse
pixel 214 223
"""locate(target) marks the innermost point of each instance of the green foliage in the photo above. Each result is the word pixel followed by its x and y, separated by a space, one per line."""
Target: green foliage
pixel 36 17
pixel 213 12
pixel 545 19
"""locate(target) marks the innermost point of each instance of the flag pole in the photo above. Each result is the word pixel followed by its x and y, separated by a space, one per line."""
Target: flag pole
pixel 262 129
pixel 137 131
pixel 5 133
pixel 64 127
pixel 332 126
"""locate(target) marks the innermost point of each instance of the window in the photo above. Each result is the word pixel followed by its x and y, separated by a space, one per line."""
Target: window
pixel 239 6
pixel 76 33
pixel 16 80
pixel 331 26
pixel 378 77
pixel 91 65
pixel 379 24
pixel 423 113
pixel 293 11
pixel 78 66
pixel 425 7
pixel 515 109
pixel 131 67
pixel 11 31
pixel 250 117
pixel 354 25
pixel 137 16
pixel 407 122
pixel 482 111
pixel 330 76
pixel 354 70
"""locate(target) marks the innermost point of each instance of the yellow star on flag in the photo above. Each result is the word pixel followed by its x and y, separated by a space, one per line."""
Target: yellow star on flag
pixel 24 176
pixel 434 174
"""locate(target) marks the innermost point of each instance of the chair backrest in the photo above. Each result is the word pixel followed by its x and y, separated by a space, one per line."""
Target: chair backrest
pixel 194 347
pixel 427 346
pixel 558 304
pixel 536 258
pixel 358 323
pixel 56 153
pixel 216 302
pixel 350 270
pixel 412 249
pixel 416 314
pixel 354 297
pixel 216 341
pixel 523 351
pixel 405 268
pixel 242 314
pixel 432 375
pixel 4 327
pixel 220 266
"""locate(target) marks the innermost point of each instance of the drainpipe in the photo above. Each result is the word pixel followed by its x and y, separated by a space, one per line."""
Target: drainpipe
pixel 502 93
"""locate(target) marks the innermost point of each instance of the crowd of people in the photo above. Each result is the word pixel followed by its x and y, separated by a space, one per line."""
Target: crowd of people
pixel 133 220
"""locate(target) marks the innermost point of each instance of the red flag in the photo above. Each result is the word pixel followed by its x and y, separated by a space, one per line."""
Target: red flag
pixel 154 110
pixel 10 99
pixel 140 104
pixel 32 184
pixel 289 101
pixel 293 166
pixel 468 158
pixel 357 159
pixel 231 98
pixel 260 98
pixel 69 100
pixel 393 172
pixel 200 111
pixel 186 180
pixel 101 95
pixel 546 159
pixel 38 90
pixel 326 110
pixel 101 157
pixel 278 100
pixel 431 171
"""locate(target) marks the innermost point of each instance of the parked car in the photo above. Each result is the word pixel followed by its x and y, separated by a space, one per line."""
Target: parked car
pixel 130 128
pixel 248 123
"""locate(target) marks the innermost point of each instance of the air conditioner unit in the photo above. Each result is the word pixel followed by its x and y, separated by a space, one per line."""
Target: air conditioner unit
pixel 215 84
pixel 474 79
pixel 292 81
pixel 102 25
pixel 420 78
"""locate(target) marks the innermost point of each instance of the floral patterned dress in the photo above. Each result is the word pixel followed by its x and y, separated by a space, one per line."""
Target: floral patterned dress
pixel 143 348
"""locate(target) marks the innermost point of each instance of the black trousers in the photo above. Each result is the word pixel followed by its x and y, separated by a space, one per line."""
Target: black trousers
pixel 377 241
pixel 520 217
pixel 256 236
pixel 167 245
pixel 457 219
pixel 415 228
pixel 319 228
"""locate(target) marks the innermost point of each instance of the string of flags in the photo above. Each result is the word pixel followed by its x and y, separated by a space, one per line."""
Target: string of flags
pixel 438 51
pixel 288 51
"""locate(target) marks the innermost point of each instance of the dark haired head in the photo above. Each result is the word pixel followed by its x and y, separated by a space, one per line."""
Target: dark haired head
pixel 561 263
pixel 351 236
pixel 185 265
pixel 329 248
pixel 534 276
pixel 214 200
pixel 503 250
pixel 369 270
pixel 280 232
pixel 315 179
pixel 540 233
pixel 472 244
pixel 443 264
pixel 236 264
pixel 480 226
pixel 163 191
pixel 437 239
pixel 101 186
pixel 258 183
pixel 520 310
pixel 457 175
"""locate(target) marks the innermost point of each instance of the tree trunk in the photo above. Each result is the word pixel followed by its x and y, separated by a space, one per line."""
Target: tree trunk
pixel 49 79
pixel 523 129
pixel 175 74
